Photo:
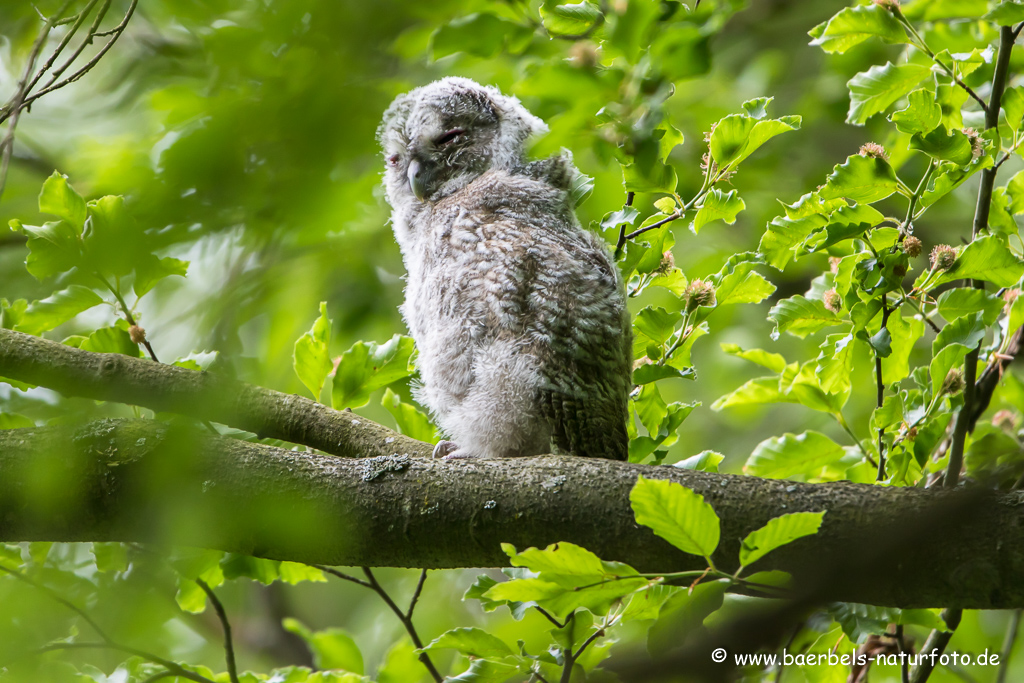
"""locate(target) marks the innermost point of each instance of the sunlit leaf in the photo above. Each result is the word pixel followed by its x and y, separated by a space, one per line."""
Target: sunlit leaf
pixel 791 454
pixel 310 356
pixel 921 115
pixel 368 366
pixel 777 533
pixel 59 199
pixel 874 90
pixel 677 514
pixel 854 25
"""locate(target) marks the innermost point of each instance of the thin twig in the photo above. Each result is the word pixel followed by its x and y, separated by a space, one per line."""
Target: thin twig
pixel 118 31
pixel 59 71
pixel 416 594
pixel 936 642
pixel 342 575
pixel 881 394
pixel 229 648
pixel 547 615
pixel 18 101
pixel 676 215
pixel 621 241
pixel 406 622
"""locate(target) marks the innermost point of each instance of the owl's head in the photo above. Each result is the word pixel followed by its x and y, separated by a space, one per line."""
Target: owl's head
pixel 440 137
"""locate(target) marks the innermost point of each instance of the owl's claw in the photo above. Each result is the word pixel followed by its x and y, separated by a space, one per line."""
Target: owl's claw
pixel 444 448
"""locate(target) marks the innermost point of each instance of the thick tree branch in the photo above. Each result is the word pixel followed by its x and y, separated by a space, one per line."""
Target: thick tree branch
pixel 202 395
pixel 142 480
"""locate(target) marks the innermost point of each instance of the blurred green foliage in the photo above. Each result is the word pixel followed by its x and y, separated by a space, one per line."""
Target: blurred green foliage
pixel 217 177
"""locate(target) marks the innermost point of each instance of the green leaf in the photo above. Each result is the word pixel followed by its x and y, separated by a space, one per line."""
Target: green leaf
pixel 872 91
pixel 294 573
pixel 759 391
pixel 645 374
pixel 310 357
pixel 986 258
pixel 113 243
pixel 656 323
pixel 960 301
pixel 737 136
pixel 59 199
pixel 565 578
pixel 777 533
pixel 400 664
pixel 15 421
pixel 845 223
pixel 110 557
pixel 1015 193
pixel 862 179
pixel 773 361
pixel 949 176
pixel 854 25
pixel 410 421
pixel 569 19
pixel 657 177
pixel 904 333
pixel 945 360
pixel 1013 106
pixel 717 205
pixel 921 115
pixel 951 99
pixel 482 35
pixel 784 234
pixel 677 514
pixel 368 366
pixel 793 454
pixel 332 648
pixel 471 641
pixel 485 671
pixel 53 248
pixel 57 309
pixel 684 613
pixel 800 316
pixel 944 145
pixel 705 461
pixel 835 363
pixel 1006 13
pixel 150 270
pixel 946 9
pixel 111 340
pixel 743 286
pixel 967 330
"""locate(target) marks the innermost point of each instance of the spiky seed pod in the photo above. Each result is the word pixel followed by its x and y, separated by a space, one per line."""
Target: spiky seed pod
pixel 832 301
pixel 911 246
pixel 874 151
pixel 943 257
pixel 699 293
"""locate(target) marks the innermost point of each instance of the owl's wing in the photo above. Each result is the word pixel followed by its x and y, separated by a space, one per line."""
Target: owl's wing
pixel 588 377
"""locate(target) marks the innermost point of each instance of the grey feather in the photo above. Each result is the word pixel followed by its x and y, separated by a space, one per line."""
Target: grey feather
pixel 518 313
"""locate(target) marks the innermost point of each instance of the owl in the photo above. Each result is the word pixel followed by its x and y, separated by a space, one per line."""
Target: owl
pixel 518 313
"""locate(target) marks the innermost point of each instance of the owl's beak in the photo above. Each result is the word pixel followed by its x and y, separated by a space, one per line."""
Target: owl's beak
pixel 418 179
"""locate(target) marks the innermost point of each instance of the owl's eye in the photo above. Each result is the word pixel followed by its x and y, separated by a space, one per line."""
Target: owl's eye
pixel 393 159
pixel 449 136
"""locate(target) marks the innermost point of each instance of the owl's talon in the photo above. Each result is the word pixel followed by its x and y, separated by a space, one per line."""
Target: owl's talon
pixel 443 449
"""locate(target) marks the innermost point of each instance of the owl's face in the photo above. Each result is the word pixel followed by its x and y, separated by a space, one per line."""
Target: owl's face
pixel 439 138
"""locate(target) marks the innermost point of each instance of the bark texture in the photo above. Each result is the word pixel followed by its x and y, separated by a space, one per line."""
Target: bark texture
pixel 203 395
pixel 142 480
